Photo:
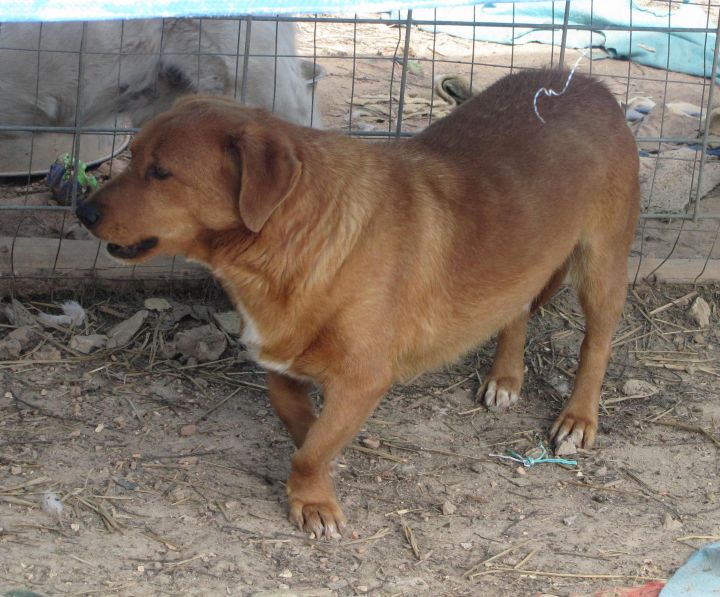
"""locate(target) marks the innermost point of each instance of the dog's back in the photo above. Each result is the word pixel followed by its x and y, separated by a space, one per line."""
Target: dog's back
pixel 509 154
pixel 518 198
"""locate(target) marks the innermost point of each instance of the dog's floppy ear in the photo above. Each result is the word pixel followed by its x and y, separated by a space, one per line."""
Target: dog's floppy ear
pixel 270 169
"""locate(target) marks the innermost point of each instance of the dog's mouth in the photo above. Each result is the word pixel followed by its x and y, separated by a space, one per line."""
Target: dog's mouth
pixel 132 251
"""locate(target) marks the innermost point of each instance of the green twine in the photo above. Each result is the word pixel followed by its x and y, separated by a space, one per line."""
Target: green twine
pixel 83 178
pixel 531 459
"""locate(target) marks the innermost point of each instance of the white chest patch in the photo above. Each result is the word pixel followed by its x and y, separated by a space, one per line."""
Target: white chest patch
pixel 253 341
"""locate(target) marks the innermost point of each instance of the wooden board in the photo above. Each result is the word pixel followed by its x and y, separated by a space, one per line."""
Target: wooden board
pixel 31 265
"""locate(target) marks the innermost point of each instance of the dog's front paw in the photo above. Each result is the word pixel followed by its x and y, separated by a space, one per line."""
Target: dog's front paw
pixel 500 394
pixel 313 506
pixel 580 429
pixel 324 520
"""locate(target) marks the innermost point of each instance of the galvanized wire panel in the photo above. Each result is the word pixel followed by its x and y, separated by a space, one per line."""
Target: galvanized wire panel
pixel 370 76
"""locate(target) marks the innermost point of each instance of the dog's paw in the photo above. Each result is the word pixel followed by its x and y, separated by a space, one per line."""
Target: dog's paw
pixel 500 394
pixel 324 520
pixel 578 429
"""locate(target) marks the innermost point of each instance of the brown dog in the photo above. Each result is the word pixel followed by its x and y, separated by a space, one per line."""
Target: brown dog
pixel 357 264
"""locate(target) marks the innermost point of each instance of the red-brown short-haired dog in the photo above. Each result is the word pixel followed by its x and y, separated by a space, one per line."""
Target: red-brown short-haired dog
pixel 357 264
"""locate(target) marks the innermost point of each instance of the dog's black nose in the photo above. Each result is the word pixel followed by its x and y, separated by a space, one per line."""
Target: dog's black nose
pixel 88 214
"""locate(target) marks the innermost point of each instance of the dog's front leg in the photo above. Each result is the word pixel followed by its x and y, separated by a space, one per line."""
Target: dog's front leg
pixel 291 400
pixel 311 494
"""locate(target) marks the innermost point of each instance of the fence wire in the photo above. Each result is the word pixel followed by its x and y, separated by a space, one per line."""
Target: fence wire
pixel 370 76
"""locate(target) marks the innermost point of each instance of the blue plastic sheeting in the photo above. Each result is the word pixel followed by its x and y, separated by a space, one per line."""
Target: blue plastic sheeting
pixel 93 10
pixel 687 52
pixel 698 577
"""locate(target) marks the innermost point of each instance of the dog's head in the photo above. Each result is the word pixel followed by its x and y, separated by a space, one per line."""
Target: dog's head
pixel 207 165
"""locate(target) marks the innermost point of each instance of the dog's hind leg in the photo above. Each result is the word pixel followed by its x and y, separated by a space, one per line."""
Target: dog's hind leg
pixel 599 273
pixel 504 382
pixel 291 400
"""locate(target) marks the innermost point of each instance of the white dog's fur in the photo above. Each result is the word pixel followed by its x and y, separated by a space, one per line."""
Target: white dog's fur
pixel 138 68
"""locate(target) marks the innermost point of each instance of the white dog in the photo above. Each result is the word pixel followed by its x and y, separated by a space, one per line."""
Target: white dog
pixel 139 67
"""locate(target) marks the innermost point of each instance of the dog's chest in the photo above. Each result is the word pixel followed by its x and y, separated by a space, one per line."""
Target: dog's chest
pixel 253 341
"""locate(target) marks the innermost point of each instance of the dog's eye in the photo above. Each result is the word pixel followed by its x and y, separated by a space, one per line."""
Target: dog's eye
pixel 158 172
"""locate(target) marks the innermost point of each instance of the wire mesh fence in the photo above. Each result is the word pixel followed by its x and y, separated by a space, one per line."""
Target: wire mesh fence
pixel 83 89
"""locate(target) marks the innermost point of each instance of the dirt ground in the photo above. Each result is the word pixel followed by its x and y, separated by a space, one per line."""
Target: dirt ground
pixel 172 471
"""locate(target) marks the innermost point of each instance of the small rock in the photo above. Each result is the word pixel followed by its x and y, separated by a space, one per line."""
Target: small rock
pixel 405 470
pixel 10 349
pixel 176 495
pixel 74 526
pixel 700 312
pixel 165 390
pixel 125 484
pixel 520 470
pixel 205 343
pixel 371 442
pixel 18 315
pixel 566 448
pixel 122 333
pixel 188 460
pixel 638 387
pixel 570 520
pixel 476 467
pixel 285 574
pixel 15 470
pixel 229 322
pixel 188 430
pixel 448 508
pixel 411 585
pixel 25 335
pixel 178 313
pixel 337 584
pixel 86 344
pixel 466 545
pixel 157 304
pixel 699 339
pixel 52 504
pixel 47 353
pixel 671 524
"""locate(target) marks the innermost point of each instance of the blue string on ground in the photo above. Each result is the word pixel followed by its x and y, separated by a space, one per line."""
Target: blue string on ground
pixel 529 459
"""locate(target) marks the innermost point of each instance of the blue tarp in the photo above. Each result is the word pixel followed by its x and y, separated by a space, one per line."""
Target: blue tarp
pixel 683 51
pixel 698 577
pixel 93 10
pixel 687 52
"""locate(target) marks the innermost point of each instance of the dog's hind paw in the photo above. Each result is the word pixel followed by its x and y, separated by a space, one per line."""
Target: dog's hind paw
pixel 497 395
